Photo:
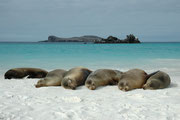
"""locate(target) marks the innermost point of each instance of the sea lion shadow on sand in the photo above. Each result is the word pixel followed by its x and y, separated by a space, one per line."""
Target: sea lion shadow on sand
pixel 83 86
pixel 101 87
pixel 173 85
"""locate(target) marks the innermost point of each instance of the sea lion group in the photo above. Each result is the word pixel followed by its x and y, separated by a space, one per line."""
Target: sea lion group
pixel 129 80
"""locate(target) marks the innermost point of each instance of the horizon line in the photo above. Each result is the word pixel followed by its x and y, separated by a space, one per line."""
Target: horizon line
pixel 82 42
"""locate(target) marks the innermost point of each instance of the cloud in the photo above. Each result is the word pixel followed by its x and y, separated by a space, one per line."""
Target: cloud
pixel 77 17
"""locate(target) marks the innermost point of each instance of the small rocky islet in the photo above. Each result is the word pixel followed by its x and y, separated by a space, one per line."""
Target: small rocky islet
pixel 94 39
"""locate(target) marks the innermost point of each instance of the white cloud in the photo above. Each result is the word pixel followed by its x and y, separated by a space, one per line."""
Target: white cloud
pixel 76 17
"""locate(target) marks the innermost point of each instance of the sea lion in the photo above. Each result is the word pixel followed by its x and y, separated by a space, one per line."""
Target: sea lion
pixel 132 79
pixel 75 77
pixel 102 77
pixel 23 72
pixel 158 80
pixel 53 78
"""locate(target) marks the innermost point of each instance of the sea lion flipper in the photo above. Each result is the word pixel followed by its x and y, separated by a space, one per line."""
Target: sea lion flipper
pixel 151 74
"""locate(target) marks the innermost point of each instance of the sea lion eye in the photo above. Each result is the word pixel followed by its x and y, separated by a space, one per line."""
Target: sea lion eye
pixel 89 82
pixel 121 84
pixel 40 81
pixel 151 85
pixel 65 84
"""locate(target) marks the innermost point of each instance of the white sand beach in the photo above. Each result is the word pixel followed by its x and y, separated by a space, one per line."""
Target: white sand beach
pixel 95 34
pixel 20 100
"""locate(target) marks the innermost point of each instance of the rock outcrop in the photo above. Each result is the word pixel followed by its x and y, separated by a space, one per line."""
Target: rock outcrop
pixel 94 39
pixel 87 38
pixel 129 39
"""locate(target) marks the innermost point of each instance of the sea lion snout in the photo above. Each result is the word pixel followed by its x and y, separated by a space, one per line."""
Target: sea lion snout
pixel 148 86
pixel 123 86
pixel 90 85
pixel 68 83
pixel 6 77
pixel 37 86
pixel 39 83
pixel 144 87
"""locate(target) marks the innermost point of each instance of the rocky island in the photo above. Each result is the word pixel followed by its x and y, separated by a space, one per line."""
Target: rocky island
pixel 129 39
pixel 94 39
pixel 86 38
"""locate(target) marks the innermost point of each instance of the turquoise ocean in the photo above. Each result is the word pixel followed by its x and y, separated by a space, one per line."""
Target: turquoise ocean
pixel 49 56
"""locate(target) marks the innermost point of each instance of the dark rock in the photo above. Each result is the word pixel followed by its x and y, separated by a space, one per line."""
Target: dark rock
pixel 95 39
pixel 130 39
pixel 87 38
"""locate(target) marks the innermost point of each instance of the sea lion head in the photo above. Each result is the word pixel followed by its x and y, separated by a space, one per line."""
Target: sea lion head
pixel 68 83
pixel 40 83
pixel 10 74
pixel 41 74
pixel 90 85
pixel 152 85
pixel 124 86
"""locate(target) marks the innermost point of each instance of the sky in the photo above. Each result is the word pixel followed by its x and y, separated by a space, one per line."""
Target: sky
pixel 35 20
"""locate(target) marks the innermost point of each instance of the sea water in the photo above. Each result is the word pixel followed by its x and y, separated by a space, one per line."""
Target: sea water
pixel 148 56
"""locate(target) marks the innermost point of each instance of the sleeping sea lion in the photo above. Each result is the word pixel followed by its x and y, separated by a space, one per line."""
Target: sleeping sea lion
pixel 102 77
pixel 158 80
pixel 23 72
pixel 53 78
pixel 75 77
pixel 132 79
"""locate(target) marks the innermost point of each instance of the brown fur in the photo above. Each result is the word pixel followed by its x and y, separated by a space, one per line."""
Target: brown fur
pixel 53 78
pixel 159 80
pixel 103 77
pixel 132 79
pixel 23 72
pixel 75 77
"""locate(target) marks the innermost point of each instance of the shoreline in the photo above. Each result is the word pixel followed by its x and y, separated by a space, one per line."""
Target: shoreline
pixel 80 42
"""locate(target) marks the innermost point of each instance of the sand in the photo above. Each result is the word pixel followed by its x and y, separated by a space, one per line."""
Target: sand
pixel 20 100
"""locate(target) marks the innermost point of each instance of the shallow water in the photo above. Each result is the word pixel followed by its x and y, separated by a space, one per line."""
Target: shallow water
pixel 19 99
pixel 148 56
